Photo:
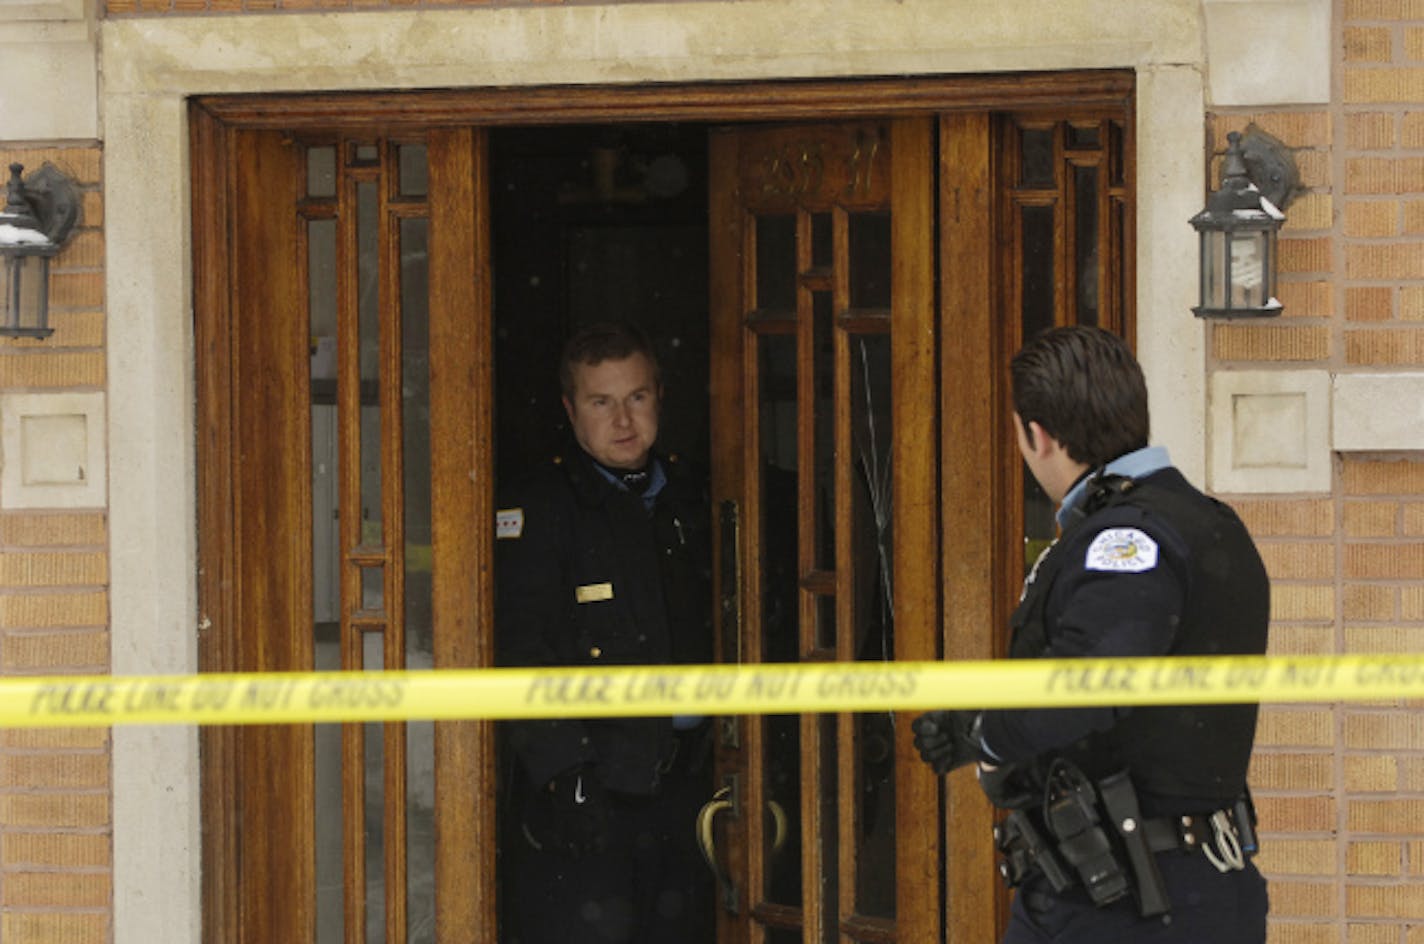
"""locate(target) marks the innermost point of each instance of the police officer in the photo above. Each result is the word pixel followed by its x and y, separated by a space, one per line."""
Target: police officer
pixel 602 561
pixel 1125 823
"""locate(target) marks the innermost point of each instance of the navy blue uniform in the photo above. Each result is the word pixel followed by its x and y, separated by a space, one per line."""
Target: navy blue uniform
pixel 591 574
pixel 1145 566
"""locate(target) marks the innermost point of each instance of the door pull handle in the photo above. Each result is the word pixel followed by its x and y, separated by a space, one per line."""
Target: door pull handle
pixel 722 801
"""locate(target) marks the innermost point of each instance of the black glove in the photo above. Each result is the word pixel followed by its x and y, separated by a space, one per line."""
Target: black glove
pixel 1009 786
pixel 947 740
pixel 578 813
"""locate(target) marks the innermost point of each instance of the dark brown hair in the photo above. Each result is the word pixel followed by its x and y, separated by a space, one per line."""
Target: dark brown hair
pixel 1084 387
pixel 605 341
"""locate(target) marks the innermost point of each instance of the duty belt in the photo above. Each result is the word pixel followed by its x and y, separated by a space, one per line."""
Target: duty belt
pixel 1226 836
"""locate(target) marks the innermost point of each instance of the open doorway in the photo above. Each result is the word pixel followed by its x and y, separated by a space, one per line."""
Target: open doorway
pixel 597 223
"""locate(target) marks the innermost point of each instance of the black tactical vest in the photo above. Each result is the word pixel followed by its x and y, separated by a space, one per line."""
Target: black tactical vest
pixel 1183 758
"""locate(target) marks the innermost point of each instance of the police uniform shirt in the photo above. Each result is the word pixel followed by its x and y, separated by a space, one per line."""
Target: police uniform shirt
pixel 1119 583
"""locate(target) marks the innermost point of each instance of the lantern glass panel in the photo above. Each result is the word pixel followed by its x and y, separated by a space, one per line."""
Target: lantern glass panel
pixel 1248 269
pixel 1213 269
pixel 24 287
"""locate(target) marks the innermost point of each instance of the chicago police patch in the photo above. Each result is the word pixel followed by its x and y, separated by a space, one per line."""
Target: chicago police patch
pixel 1122 550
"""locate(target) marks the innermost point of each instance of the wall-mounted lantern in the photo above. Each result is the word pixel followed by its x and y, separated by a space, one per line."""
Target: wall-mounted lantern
pixel 1238 229
pixel 38 216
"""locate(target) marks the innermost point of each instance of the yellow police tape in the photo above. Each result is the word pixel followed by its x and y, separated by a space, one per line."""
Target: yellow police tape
pixel 279 697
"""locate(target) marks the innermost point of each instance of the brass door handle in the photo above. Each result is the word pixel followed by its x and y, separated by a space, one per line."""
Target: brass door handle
pixel 720 802
pixel 778 816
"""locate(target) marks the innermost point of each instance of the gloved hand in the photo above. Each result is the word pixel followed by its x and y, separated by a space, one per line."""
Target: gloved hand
pixel 578 812
pixel 944 739
pixel 1008 786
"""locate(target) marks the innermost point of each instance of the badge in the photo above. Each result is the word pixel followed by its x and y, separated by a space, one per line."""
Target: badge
pixel 508 523
pixel 1122 550
pixel 593 592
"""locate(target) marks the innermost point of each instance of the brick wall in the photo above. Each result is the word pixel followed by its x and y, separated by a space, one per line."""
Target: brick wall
pixel 1340 788
pixel 55 799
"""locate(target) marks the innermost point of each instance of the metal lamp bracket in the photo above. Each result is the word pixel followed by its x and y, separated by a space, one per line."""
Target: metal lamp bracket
pixel 1270 166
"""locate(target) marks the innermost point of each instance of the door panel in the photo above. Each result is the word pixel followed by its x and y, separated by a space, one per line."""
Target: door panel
pixel 822 276
pixel 359 458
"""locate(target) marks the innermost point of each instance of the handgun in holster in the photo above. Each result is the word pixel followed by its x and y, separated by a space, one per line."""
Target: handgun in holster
pixel 1071 814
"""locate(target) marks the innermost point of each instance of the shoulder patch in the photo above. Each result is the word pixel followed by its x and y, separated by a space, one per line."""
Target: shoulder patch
pixel 508 523
pixel 1122 550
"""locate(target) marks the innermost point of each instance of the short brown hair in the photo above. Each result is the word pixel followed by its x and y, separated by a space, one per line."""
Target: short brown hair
pixel 605 341
pixel 1084 387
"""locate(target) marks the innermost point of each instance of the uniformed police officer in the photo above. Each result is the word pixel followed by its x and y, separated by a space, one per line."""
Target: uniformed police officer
pixel 602 562
pixel 1125 823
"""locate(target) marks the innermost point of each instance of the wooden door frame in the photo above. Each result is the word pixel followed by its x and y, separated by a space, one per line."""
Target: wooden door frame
pixel 468 748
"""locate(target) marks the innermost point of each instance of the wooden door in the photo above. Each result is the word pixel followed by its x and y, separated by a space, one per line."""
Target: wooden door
pixel 345 402
pixel 823 434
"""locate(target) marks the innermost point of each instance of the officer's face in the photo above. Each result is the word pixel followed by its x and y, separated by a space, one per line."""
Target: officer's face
pixel 614 410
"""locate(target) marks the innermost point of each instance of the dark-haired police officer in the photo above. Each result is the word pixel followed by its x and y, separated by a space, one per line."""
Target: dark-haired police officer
pixel 1125 823
pixel 601 561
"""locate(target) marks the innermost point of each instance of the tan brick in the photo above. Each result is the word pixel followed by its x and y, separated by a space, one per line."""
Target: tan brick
pixel 55 771
pixel 1315 169
pixel 1411 303
pixel 1368 602
pixel 1371 934
pixel 1383 640
pixel 1303 900
pixel 1383 477
pixel 51 370
pixel 1295 727
pixel 78 651
pixel 84 250
pixel 1413 217
pixel 1413 524
pixel 1384 260
pixel 1311 211
pixel 1298 561
pixel 54 850
pixel 1298 932
pixel 1384 347
pixel 1415 851
pixel 54 810
pixel 79 328
pixel 1306 255
pixel 1287 517
pixel 1302 602
pixel 1295 814
pixel 56 890
pixel 1375 303
pixel 1273 771
pixel 1306 298
pixel 1414 42
pixel 1270 343
pixel 1382 730
pixel 52 610
pixel 1371 219
pixel 1411 131
pixel 1371 519
pixel 55 927
pixel 1384 561
pixel 80 163
pixel 1295 129
pixel 1371 773
pixel 1370 131
pixel 1411 603
pixel 1368 44
pixel 1297 857
pixel 25 529
pixel 1374 858
pixel 1287 639
pixel 53 568
pixel 1367 86
pixel 92 212
pixel 1384 175
pixel 53 739
pixel 1383 901
pixel 1383 10
pixel 83 289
